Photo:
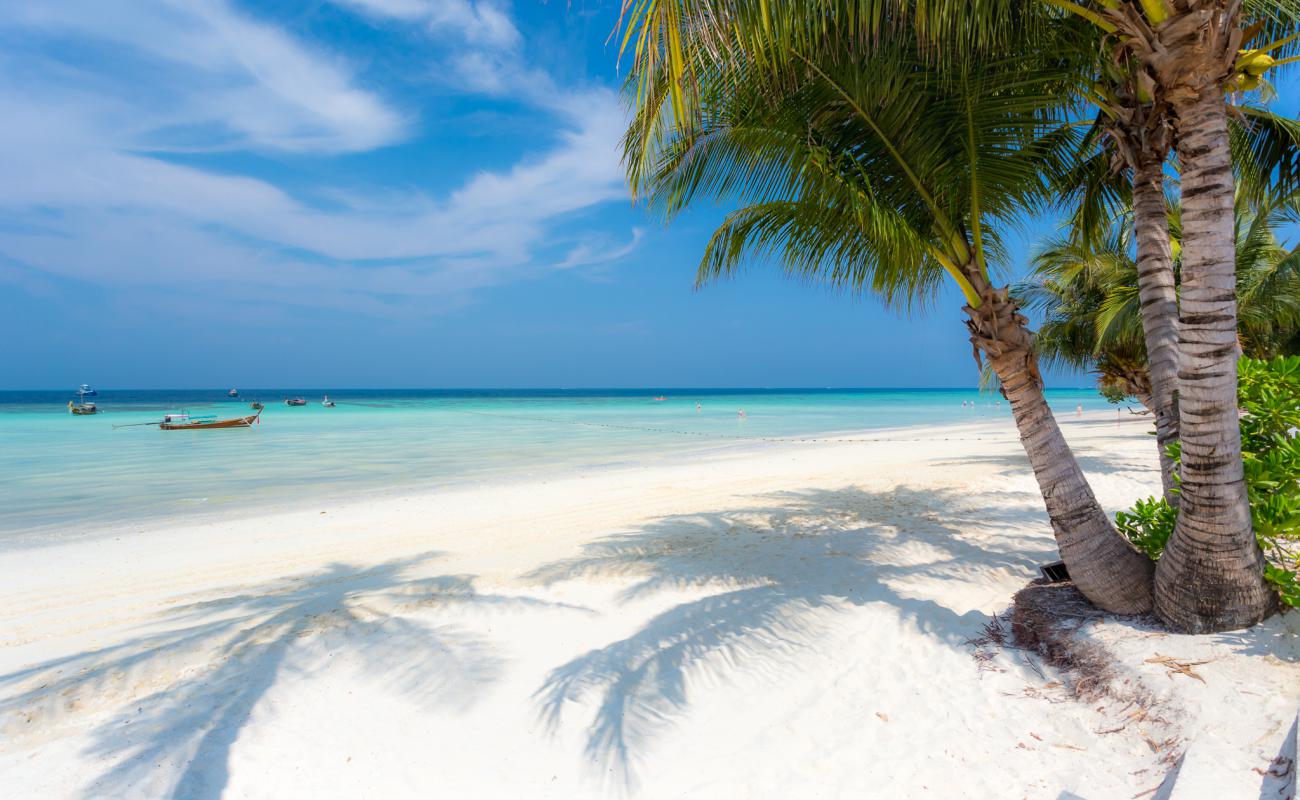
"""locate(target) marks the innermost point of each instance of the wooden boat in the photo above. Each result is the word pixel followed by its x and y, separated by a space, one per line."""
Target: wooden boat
pixel 81 407
pixel 183 422
pixel 294 401
pixel 256 405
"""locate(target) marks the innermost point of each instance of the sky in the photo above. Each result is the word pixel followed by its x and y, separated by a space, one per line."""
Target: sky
pixel 379 193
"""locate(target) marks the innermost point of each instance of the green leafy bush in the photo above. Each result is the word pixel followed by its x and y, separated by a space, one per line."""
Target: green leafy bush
pixel 1268 393
pixel 1148 525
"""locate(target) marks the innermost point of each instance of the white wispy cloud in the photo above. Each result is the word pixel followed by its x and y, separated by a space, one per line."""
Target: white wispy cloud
pixel 90 200
pixel 585 254
pixel 476 23
pixel 208 65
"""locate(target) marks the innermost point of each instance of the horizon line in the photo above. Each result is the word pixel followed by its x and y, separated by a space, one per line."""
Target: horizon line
pixel 650 388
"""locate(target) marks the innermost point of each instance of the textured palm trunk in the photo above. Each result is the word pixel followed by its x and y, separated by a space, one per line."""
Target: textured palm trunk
pixel 1159 303
pixel 1210 577
pixel 1108 570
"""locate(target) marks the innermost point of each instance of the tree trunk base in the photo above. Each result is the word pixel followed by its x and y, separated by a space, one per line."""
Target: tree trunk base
pixel 1107 569
pixel 1198 595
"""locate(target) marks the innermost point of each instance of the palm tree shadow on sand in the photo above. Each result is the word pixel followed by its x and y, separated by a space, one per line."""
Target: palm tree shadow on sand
pixel 218 658
pixel 776 577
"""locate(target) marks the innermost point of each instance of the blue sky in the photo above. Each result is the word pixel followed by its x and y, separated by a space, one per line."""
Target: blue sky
pixel 384 193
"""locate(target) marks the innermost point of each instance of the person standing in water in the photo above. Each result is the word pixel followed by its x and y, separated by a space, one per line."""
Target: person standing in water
pixel 740 412
pixel 1078 411
pixel 698 407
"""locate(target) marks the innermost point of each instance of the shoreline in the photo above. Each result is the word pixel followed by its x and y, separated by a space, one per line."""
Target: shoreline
pixel 742 623
pixel 336 495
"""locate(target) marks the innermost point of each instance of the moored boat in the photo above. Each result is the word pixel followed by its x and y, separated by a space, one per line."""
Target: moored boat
pixel 295 401
pixel 232 393
pixel 81 407
pixel 256 405
pixel 327 402
pixel 184 422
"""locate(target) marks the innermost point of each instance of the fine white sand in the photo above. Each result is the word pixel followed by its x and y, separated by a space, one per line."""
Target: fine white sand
pixel 782 621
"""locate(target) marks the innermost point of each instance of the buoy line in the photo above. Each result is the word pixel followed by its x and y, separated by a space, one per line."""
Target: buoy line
pixel 707 435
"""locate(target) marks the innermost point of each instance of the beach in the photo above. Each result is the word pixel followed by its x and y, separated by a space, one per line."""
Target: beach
pixel 772 619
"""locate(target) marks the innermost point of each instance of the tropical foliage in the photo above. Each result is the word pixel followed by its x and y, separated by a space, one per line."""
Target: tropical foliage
pixel 1269 396
pixel 873 169
pixel 887 146
pixel 1088 296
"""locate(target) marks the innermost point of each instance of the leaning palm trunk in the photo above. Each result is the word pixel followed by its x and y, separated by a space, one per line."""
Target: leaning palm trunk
pixel 858 169
pixel 1159 299
pixel 1103 565
pixel 1210 577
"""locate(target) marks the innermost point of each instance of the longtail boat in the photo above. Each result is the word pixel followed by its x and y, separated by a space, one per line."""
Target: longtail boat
pixel 295 401
pixel 82 407
pixel 184 422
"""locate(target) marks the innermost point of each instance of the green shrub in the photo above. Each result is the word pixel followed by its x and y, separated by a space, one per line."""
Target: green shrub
pixel 1148 525
pixel 1268 393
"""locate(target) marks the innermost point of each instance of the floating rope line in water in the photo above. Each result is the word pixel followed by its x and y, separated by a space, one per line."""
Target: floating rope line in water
pixel 708 435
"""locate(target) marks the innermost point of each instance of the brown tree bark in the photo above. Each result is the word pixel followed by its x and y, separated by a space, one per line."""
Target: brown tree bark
pixel 1104 566
pixel 1210 577
pixel 1140 129
pixel 1159 303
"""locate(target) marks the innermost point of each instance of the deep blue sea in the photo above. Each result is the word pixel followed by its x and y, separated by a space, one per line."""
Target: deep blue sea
pixel 61 475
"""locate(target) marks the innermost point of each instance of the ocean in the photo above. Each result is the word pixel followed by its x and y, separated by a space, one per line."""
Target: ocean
pixel 66 476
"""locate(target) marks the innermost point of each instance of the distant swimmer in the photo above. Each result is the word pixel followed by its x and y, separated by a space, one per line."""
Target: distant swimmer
pixel 698 408
pixel 740 412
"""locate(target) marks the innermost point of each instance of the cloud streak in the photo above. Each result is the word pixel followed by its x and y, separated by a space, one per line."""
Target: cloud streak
pixel 92 194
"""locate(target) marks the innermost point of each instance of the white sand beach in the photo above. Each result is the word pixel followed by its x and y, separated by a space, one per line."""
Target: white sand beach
pixel 781 621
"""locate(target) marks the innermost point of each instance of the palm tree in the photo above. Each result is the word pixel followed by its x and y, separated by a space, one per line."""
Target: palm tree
pixel 1268 282
pixel 1122 169
pixel 1091 305
pixel 862 168
pixel 1187 55
pixel 1088 298
pixel 1181 53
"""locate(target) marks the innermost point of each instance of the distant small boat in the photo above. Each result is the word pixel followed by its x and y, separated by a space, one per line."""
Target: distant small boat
pixel 660 399
pixel 256 405
pixel 327 402
pixel 184 422
pixel 81 407
pixel 294 401
pixel 232 393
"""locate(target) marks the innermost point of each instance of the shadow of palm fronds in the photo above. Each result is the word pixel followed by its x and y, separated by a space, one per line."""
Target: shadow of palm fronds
pixel 182 696
pixel 775 579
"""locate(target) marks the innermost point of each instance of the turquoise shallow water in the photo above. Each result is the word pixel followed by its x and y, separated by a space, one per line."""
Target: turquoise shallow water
pixel 62 475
